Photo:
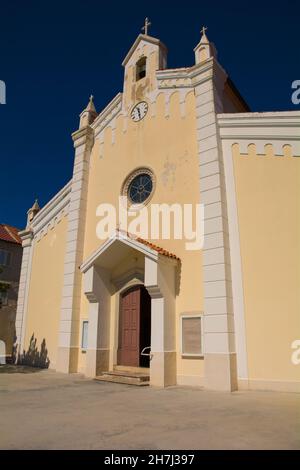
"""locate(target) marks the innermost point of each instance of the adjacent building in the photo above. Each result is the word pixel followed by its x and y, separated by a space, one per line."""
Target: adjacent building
pixel 10 266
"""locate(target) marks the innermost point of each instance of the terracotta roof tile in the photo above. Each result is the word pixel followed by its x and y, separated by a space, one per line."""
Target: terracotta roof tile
pixel 154 247
pixel 9 234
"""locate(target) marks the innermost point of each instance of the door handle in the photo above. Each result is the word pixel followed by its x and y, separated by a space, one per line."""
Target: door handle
pixel 146 354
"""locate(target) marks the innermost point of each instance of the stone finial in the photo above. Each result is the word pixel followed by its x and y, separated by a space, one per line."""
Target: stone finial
pixel 31 213
pixel 204 39
pixel 91 107
pixel 89 114
pixel 205 49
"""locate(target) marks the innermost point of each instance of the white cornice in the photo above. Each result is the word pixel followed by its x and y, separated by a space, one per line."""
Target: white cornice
pixel 277 118
pixel 52 208
pixel 108 113
pixel 172 73
pixel 26 237
pixel 270 126
pixel 195 75
pixel 263 136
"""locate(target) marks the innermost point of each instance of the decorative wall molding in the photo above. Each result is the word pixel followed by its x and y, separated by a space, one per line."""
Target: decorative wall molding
pixel 260 147
pixel 108 114
pixel 52 212
pixel 50 226
pixel 261 129
pixel 188 77
pixel 132 274
pixel 107 119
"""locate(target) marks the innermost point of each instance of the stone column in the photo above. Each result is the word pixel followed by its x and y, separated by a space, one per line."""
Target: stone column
pixel 69 320
pixel 160 283
pixel 96 288
pixel 219 343
pixel 27 238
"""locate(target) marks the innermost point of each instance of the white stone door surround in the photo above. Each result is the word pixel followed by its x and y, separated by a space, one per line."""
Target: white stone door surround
pixel 160 273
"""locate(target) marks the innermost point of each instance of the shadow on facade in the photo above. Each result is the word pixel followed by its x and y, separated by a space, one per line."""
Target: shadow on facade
pixel 33 357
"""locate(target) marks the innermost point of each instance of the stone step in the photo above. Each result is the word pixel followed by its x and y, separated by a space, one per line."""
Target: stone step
pixel 145 370
pixel 139 380
pixel 121 380
pixel 135 375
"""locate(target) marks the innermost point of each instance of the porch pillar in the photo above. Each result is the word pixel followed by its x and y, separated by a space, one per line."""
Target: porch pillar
pixel 160 283
pixel 96 288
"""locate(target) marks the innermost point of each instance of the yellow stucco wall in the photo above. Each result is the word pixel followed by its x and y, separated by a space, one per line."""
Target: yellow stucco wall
pixel 268 200
pixel 167 145
pixel 45 293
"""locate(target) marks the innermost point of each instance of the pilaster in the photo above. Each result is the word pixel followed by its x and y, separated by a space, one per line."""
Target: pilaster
pixel 70 308
pixel 219 341
pixel 27 238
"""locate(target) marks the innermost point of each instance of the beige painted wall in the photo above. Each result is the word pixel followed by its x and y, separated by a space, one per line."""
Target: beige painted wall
pixel 268 199
pixel 45 293
pixel 173 159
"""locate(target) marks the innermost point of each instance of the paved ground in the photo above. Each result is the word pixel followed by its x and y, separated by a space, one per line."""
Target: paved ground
pixel 48 410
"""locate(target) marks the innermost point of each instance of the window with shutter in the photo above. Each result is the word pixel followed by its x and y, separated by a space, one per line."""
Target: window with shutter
pixel 5 258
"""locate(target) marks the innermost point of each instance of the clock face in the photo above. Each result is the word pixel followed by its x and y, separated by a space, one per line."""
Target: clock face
pixel 139 111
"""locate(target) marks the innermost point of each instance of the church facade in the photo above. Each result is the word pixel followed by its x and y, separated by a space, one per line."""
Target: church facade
pixel 224 316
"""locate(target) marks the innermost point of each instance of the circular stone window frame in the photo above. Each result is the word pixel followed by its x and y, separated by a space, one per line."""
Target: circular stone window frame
pixel 128 181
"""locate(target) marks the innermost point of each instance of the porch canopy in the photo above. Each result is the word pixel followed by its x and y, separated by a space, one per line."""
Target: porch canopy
pixel 123 259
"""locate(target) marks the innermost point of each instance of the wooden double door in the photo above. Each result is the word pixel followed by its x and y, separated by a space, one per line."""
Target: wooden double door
pixel 134 327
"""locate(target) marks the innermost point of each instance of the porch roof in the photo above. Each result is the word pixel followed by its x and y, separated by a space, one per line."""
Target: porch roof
pixel 140 244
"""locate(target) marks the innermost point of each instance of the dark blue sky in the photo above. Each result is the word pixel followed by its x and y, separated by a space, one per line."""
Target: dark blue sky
pixel 53 55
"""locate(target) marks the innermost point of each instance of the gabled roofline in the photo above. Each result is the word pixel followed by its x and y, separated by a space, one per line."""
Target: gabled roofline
pixel 124 239
pixel 141 245
pixel 107 112
pixel 52 208
pixel 142 37
pixel 9 230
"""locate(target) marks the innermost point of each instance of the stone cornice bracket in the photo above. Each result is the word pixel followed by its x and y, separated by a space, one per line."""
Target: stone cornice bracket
pixel 26 237
pixel 92 298
pixel 84 136
pixel 154 292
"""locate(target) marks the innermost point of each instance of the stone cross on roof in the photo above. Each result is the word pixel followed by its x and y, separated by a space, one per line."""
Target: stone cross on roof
pixel 145 27
pixel 204 28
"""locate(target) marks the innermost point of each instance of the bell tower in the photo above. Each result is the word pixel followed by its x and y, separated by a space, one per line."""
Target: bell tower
pixel 146 56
